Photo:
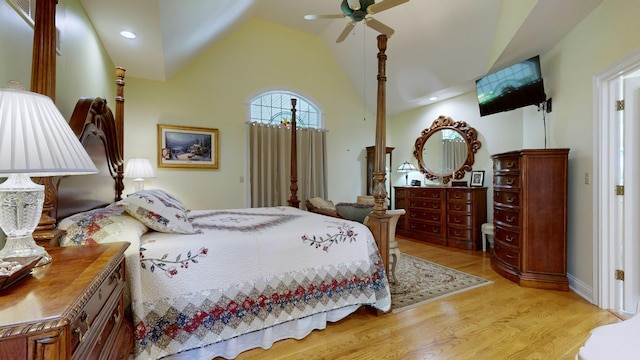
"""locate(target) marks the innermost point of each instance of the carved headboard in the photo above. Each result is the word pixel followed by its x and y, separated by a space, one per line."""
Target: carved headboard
pixel 102 136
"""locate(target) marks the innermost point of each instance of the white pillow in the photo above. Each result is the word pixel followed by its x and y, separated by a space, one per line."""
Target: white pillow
pixel 159 211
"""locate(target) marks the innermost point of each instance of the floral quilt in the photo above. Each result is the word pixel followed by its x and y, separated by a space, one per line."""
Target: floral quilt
pixel 246 270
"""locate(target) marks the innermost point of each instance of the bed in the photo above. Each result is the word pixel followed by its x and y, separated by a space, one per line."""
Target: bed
pixel 211 283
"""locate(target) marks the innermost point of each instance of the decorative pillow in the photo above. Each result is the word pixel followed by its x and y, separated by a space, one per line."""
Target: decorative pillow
pixel 353 211
pixel 101 226
pixel 158 210
pixel 321 206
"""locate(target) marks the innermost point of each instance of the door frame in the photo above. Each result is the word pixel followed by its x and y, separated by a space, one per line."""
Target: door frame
pixel 607 225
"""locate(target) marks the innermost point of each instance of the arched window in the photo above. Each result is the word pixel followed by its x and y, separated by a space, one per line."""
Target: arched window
pixel 270 151
pixel 274 108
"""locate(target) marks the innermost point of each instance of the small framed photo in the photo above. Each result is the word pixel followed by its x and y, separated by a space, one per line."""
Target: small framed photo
pixel 187 147
pixel 477 178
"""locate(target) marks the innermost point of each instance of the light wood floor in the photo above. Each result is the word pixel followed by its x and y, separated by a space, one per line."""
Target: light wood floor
pixel 497 321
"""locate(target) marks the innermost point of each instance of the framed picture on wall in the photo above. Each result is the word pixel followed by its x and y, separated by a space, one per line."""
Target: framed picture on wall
pixel 477 178
pixel 187 147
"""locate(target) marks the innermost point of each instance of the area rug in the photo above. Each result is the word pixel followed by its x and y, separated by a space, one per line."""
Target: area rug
pixel 421 281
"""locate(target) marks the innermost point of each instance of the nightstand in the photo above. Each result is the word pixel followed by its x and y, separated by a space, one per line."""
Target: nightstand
pixel 72 308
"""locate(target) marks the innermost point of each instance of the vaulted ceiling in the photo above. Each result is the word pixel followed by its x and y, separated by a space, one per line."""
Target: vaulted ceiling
pixel 439 47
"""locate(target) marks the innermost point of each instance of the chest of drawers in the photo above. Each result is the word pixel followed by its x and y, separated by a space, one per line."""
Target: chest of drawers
pixel 449 216
pixel 72 308
pixel 530 217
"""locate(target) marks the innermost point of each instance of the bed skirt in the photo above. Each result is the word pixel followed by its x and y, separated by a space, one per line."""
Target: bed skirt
pixel 295 329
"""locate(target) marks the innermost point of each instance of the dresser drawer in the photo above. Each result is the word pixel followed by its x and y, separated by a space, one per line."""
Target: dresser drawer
pixel 506 164
pixel 507 237
pixel 507 198
pixel 88 324
pixel 502 180
pixel 507 255
pixel 428 229
pixel 459 194
pixel 461 207
pixel 425 204
pixel 511 218
pixel 459 219
pixel 427 193
pixel 459 233
pixel 424 215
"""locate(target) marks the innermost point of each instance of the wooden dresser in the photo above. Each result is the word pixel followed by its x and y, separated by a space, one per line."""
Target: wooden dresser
pixel 449 216
pixel 530 217
pixel 72 308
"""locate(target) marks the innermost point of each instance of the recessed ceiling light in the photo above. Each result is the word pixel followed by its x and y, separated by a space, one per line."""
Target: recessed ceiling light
pixel 433 98
pixel 128 34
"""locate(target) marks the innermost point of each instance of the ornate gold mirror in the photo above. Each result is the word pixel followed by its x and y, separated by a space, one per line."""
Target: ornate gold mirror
pixel 446 149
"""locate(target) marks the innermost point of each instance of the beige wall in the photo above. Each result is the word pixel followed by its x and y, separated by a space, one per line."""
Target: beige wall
pixel 214 92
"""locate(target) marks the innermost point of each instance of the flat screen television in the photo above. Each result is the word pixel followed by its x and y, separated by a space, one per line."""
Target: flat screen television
pixel 510 88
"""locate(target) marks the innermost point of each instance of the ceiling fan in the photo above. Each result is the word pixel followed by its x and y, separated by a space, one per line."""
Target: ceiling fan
pixel 357 10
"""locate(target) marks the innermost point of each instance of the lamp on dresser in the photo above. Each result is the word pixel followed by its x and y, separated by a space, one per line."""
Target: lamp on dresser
pixel 139 169
pixel 35 140
pixel 406 167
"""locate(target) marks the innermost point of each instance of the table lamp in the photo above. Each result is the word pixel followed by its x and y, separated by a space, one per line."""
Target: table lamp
pixel 139 169
pixel 35 140
pixel 406 168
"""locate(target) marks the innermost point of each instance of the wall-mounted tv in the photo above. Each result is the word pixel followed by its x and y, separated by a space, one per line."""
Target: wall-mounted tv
pixel 510 88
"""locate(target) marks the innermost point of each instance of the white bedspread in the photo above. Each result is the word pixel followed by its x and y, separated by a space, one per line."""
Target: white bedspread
pixel 247 270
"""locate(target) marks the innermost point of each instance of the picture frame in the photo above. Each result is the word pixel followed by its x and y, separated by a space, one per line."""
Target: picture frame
pixel 477 178
pixel 187 147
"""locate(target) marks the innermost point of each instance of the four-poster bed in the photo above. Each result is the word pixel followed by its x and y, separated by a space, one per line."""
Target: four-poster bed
pixel 239 302
pixel 342 281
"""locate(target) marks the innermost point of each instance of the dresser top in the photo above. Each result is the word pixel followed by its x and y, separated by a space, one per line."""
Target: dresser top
pixel 53 293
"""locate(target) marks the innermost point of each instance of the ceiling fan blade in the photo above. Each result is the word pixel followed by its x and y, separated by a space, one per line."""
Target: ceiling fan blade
pixel 316 17
pixel 345 32
pixel 384 5
pixel 379 27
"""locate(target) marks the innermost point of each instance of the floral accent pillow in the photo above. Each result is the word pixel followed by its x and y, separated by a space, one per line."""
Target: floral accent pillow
pixel 103 225
pixel 159 211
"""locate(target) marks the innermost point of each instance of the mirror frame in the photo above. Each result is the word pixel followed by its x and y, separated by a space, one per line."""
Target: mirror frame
pixel 470 136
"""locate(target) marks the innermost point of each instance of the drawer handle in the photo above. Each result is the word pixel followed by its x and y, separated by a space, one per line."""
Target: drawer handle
pixel 509 238
pixel 434 206
pixel 510 181
pixel 511 164
pixel 116 315
pixel 457 195
pixel 457 233
pixel 84 318
pixel 510 219
pixel 510 199
pixel 509 256
pixel 435 195
pixel 458 220
pixel 458 207
pixel 435 230
pixel 435 217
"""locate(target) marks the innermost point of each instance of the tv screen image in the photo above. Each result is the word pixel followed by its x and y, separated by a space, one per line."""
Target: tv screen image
pixel 510 88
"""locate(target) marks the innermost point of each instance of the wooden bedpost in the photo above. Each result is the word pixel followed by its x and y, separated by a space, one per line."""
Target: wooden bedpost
pixel 293 199
pixel 378 219
pixel 43 81
pixel 119 120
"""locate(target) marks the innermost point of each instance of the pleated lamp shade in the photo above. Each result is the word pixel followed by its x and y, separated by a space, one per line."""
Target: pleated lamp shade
pixel 138 169
pixel 35 139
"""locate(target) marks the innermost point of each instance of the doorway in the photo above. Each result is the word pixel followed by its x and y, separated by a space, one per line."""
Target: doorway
pixel 617 191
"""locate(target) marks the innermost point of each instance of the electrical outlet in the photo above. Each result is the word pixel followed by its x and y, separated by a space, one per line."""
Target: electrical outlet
pixel 586 178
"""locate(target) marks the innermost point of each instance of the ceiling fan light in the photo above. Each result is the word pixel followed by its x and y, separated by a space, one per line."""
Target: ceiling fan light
pixel 354 4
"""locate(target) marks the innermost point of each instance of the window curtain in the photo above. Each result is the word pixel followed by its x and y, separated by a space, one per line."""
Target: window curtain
pixel 269 159
pixel 454 154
